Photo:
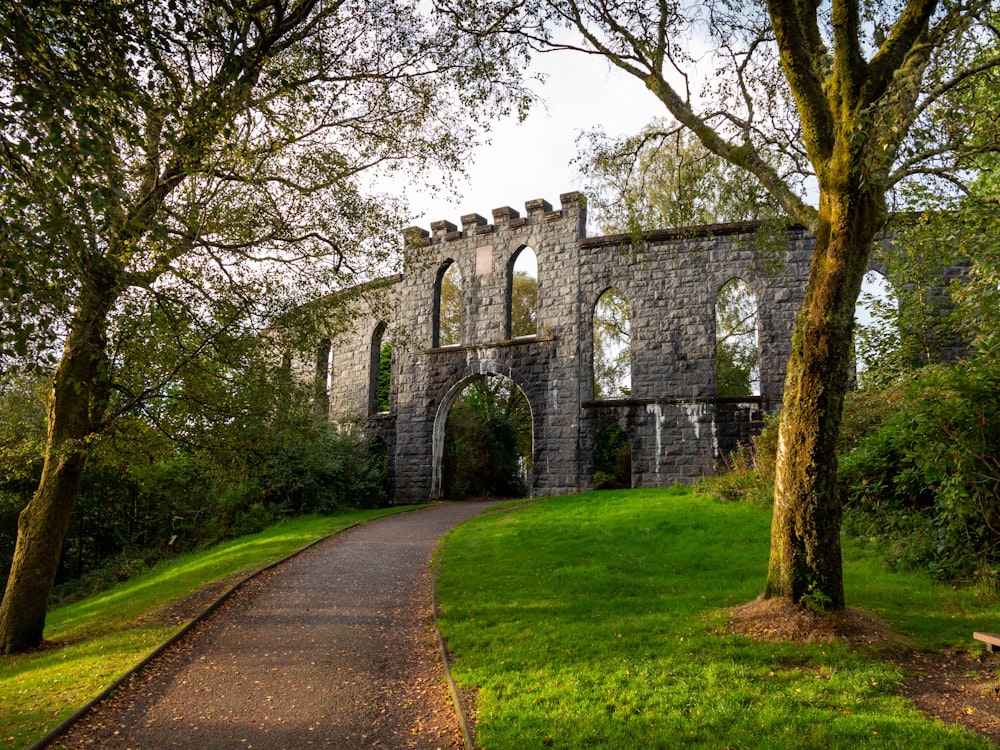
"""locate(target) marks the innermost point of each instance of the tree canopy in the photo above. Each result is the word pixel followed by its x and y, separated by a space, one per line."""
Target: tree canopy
pixel 202 165
pixel 664 177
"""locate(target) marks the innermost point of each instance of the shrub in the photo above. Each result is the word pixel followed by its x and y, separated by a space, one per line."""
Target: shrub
pixel 604 481
pixel 750 469
pixel 929 478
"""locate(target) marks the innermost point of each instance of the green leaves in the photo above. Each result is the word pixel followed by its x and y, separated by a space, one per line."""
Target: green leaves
pixel 488 440
pixel 664 177
pixel 931 472
pixel 737 354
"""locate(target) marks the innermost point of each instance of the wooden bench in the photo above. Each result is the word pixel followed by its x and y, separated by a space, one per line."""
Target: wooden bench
pixel 992 640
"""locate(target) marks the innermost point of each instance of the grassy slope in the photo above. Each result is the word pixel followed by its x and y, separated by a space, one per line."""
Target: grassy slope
pixel 597 620
pixel 98 639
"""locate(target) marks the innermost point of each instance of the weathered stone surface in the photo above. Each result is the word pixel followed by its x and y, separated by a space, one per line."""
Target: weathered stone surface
pixel 677 425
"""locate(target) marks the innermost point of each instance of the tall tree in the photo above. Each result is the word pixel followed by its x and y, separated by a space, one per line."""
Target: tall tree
pixel 664 177
pixel 799 95
pixel 207 156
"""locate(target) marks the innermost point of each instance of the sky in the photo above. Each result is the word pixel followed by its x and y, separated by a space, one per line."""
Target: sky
pixel 531 159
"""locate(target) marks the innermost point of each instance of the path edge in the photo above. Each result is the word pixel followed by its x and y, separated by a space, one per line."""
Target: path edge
pixel 456 698
pixel 64 726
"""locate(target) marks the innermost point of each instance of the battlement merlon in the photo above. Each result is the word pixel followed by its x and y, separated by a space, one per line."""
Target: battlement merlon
pixel 573 206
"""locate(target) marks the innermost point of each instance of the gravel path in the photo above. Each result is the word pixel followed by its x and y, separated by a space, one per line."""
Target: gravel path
pixel 334 648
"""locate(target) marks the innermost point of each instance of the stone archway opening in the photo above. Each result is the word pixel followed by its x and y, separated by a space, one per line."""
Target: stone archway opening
pixel 612 459
pixel 483 440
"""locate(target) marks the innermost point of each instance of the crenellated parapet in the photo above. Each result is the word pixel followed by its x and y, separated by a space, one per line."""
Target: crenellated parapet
pixel 475 226
pixel 671 279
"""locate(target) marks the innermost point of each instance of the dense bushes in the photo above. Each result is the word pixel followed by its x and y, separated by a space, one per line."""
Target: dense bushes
pixel 144 496
pixel 487 445
pixel 927 481
pixel 919 470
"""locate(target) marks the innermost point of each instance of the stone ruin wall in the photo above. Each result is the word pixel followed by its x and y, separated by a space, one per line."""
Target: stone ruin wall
pixel 678 428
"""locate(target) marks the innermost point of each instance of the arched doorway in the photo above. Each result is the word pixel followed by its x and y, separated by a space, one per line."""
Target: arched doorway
pixel 483 439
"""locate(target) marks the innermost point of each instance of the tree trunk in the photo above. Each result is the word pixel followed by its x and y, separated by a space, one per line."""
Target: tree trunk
pixel 805 565
pixel 77 395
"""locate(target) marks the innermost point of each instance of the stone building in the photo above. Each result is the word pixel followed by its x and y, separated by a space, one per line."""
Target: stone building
pixel 677 424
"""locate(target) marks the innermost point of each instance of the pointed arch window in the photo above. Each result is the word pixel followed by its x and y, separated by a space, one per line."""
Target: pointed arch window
pixel 523 291
pixel 380 389
pixel 448 306
pixel 612 346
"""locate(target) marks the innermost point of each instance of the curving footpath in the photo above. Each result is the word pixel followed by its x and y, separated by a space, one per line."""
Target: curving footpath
pixel 334 648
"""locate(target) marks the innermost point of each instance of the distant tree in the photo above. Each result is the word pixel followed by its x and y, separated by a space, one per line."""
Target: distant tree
pixel 524 294
pixel 524 305
pixel 737 355
pixel 664 177
pixel 450 308
pixel 203 158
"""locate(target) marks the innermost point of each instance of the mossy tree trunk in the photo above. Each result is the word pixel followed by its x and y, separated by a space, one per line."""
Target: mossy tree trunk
pixel 75 406
pixel 854 114
pixel 805 563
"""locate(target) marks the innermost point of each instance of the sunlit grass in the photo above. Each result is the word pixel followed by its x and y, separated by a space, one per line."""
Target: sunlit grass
pixel 96 640
pixel 598 621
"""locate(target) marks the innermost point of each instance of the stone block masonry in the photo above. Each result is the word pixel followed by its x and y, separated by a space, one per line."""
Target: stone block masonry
pixel 677 425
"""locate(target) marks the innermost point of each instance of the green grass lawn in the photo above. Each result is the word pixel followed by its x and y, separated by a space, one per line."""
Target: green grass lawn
pixel 598 621
pixel 587 621
pixel 96 640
